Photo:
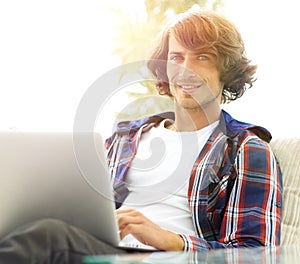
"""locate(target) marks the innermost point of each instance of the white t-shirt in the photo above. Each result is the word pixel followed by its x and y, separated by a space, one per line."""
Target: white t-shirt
pixel 159 175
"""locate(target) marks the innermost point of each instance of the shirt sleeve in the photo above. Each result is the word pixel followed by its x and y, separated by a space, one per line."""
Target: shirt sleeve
pixel 252 215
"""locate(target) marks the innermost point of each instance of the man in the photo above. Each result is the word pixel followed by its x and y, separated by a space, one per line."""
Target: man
pixel 241 206
pixel 218 184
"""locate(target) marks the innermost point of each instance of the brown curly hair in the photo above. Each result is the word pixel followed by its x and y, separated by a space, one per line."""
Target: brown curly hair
pixel 209 31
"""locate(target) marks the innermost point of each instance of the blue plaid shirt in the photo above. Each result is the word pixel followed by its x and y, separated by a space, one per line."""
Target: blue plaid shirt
pixel 235 187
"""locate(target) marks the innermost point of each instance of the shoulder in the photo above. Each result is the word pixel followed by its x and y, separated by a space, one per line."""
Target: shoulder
pixel 247 141
pixel 243 131
pixel 128 129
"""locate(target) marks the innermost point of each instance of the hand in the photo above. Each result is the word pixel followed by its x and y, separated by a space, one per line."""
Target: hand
pixel 135 223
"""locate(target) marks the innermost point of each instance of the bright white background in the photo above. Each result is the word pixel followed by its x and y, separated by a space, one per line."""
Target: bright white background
pixel 269 29
pixel 52 51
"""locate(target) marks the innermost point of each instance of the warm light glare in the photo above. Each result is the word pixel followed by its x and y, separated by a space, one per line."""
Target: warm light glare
pixel 52 51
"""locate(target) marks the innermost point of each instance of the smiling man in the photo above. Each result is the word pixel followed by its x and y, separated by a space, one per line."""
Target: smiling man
pixel 217 183
pixel 195 86
pixel 232 196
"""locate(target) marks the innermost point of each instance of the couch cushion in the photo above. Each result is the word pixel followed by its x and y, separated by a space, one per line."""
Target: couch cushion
pixel 287 151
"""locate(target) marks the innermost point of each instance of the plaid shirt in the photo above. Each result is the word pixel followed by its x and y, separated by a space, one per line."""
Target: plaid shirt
pixel 235 188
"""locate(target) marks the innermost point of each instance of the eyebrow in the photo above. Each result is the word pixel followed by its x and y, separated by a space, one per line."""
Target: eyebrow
pixel 175 52
pixel 194 53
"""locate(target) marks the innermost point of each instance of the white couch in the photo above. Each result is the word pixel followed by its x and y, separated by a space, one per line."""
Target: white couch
pixel 287 151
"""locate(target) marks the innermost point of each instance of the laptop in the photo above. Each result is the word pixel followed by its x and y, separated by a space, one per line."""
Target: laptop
pixel 61 176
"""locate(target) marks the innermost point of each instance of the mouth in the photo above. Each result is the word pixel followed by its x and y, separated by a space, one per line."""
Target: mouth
pixel 188 88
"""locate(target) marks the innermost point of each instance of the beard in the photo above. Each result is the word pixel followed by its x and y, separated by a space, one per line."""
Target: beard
pixel 196 101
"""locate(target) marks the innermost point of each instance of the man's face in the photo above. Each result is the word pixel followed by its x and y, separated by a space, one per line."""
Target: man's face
pixel 193 76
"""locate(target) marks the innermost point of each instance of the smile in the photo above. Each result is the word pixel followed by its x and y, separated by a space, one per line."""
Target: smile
pixel 188 88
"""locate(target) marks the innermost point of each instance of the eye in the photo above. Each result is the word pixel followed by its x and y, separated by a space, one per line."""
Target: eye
pixel 203 57
pixel 176 58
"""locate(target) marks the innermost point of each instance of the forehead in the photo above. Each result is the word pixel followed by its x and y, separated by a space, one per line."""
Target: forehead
pixel 175 46
pixel 174 43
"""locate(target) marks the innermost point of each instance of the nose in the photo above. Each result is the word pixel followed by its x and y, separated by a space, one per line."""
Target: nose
pixel 187 68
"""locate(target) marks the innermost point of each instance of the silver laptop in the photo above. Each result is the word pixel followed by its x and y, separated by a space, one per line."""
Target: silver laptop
pixel 57 175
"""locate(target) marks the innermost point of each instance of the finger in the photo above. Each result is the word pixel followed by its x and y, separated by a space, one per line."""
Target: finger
pixel 124 220
pixel 129 213
pixel 134 229
pixel 126 211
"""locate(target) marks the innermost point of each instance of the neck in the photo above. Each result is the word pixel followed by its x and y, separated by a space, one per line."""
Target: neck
pixel 195 119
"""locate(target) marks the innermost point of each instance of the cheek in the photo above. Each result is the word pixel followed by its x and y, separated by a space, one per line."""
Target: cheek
pixel 211 77
pixel 172 89
pixel 169 74
pixel 172 71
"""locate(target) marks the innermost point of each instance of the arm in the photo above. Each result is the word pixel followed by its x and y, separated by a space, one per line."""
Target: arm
pixel 253 213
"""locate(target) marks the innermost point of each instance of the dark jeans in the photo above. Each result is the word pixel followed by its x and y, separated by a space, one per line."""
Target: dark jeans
pixel 51 241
